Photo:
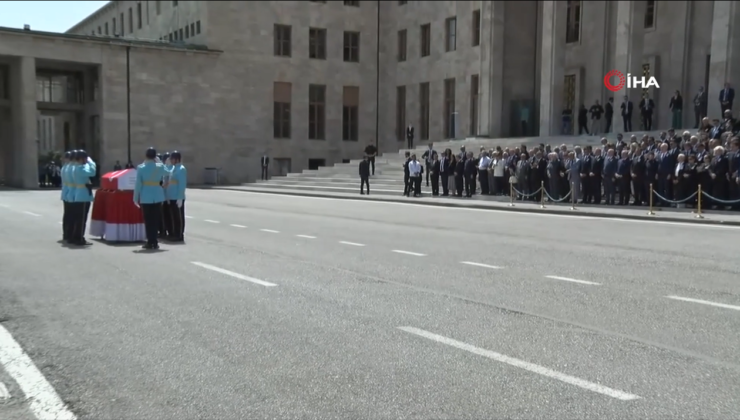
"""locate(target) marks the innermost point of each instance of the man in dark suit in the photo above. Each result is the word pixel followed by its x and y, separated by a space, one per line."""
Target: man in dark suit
pixel 626 108
pixel 666 166
pixel 609 176
pixel 365 175
pixel 406 183
pixel 726 98
pixel 444 173
pixel 623 178
pixel 700 106
pixel 597 169
pixel 410 136
pixel 609 114
pixel 637 173
pixel 370 152
pixel 651 175
pixel 428 159
pixel 460 174
pixel 646 109
pixel 586 185
pixel 265 165
pixel 470 170
pixel 434 169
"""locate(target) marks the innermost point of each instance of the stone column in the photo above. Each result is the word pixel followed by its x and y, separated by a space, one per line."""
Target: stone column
pixel 552 79
pixel 725 55
pixel 629 58
pixel 24 115
pixel 490 115
pixel 677 70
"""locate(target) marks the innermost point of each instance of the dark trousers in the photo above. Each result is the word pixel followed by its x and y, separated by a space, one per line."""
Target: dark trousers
pixel 596 189
pixel 65 221
pixel 582 126
pixel 624 190
pixel 177 219
pixel 428 171
pixel 265 173
pixel 664 189
pixel 586 190
pixel 166 220
pixel 485 188
pixel 152 220
pixel 469 185
pixel 371 159
pixel 445 187
pixel 648 119
pixel 638 188
pixel 416 185
pixel 364 182
pixel 608 123
pixel 435 184
pixel 698 116
pixel 78 219
pixel 627 121
pixel 406 185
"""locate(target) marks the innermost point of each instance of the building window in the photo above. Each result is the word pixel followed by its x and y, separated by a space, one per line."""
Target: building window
pixel 197 27
pixel 158 7
pixel 187 31
pixel 451 34
pixel 426 38
pixel 476 28
pixel 573 22
pixel 138 15
pixel 402 45
pixel 316 112
pixel 352 3
pixel 100 31
pixel 130 20
pixel 400 113
pixel 170 37
pixel 281 97
pixel 4 83
pixel 424 111
pixel 402 2
pixel 114 27
pixel 106 28
pixel 282 40
pixel 192 29
pixel 317 43
pixel 317 1
pixel 350 113
pixel 123 25
pixel 449 109
pixel 180 34
pixel 174 4
pixel 474 82
pixel 650 15
pixel 352 47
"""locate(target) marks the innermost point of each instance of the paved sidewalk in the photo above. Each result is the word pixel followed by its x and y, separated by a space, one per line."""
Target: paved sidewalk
pixel 500 204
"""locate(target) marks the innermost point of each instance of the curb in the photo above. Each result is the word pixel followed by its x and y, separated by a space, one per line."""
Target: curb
pixel 559 212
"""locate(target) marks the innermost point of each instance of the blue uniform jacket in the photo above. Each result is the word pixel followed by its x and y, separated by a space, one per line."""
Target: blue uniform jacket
pixel 79 180
pixel 178 183
pixel 148 176
pixel 65 182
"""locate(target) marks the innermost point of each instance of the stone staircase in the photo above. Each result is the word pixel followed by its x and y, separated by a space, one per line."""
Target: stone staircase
pixel 388 179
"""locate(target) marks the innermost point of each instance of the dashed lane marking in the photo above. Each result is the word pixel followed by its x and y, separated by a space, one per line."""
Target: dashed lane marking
pixel 521 364
pixel 590 283
pixel 44 402
pixel 415 254
pixel 4 206
pixel 4 394
pixel 238 226
pixel 211 221
pixel 494 267
pixel 270 231
pixel 306 236
pixel 189 217
pixel 233 274
pixel 350 243
pixel 705 302
pixel 31 214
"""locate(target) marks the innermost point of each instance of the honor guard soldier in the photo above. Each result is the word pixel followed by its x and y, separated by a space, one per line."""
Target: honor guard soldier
pixel 149 195
pixel 166 220
pixel 66 165
pixel 175 194
pixel 81 196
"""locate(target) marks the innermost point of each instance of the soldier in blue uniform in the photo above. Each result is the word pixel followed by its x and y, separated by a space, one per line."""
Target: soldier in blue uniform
pixel 149 195
pixel 166 217
pixel 81 196
pixel 175 194
pixel 66 164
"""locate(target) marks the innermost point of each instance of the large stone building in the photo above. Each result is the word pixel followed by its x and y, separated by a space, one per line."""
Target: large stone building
pixel 305 81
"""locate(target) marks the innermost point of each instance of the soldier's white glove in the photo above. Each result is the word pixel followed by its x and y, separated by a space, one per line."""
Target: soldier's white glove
pixel 89 160
pixel 136 204
pixel 158 160
pixel 179 204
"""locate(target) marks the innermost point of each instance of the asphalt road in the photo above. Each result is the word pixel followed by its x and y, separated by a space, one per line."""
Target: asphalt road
pixel 293 307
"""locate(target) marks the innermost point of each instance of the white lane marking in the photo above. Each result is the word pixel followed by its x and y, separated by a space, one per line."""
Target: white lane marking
pixel 705 302
pixel 481 265
pixel 590 283
pixel 270 231
pixel 350 243
pixel 61 223
pixel 233 274
pixel 4 394
pixel 415 254
pixel 4 205
pixel 306 236
pixel 211 221
pixel 44 401
pixel 189 217
pixel 616 217
pixel 531 367
pixel 31 214
pixel 238 226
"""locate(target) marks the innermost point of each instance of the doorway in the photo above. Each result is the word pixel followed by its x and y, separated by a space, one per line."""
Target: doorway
pixel 314 164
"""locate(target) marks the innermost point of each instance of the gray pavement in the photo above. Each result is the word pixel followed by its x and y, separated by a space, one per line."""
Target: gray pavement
pixel 379 310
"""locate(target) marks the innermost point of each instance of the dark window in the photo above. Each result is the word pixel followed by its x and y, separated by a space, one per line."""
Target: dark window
pixel 187 31
pixel 197 27
pixel 316 112
pixel 400 113
pixel 476 28
pixel 138 15
pixel 130 20
pixel 174 3
pixel 180 35
pixel 449 109
pixel 4 83
pixel 192 29
pixel 402 45
pixel 114 27
pixel 424 108
pixel 450 34
pixel 352 47
pixel 100 31
pixel 317 43
pixel 158 7
pixel 170 37
pixel 650 15
pixel 282 40
pixel 402 2
pixel 573 22
pixel 352 3
pixel 426 38
pixel 123 25
pixel 106 28
pixel 350 113
pixel 317 1
pixel 281 118
pixel 474 105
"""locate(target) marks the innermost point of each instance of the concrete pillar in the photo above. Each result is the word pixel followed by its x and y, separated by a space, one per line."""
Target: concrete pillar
pixel 490 115
pixel 629 54
pixel 552 79
pixel 24 115
pixel 725 54
pixel 677 69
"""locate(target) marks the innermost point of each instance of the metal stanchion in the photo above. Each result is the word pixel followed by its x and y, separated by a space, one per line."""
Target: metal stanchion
pixel 511 194
pixel 698 204
pixel 542 194
pixel 573 198
pixel 650 202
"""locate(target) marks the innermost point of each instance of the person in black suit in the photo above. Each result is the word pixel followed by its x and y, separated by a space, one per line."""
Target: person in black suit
pixel 445 170
pixel 626 108
pixel 265 165
pixel 586 164
pixel 651 175
pixel 460 174
pixel 623 178
pixel 726 98
pixel 371 151
pixel 609 114
pixel 594 177
pixel 406 175
pixel 410 136
pixel 434 170
pixel 637 173
pixel 719 172
pixel 365 175
pixel 646 109
pixel 469 175
pixel 680 190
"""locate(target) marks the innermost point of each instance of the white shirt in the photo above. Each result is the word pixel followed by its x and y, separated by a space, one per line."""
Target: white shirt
pixel 414 168
pixel 484 162
pixel 498 167
pixel 679 167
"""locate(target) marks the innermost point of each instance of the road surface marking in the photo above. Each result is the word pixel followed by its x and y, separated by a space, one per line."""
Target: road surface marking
pixel 189 217
pixel 211 221
pixel 306 236
pixel 61 223
pixel 481 265
pixel 705 302
pixel 351 243
pixel 233 274
pixel 270 231
pixel 238 226
pixel 32 214
pixel 4 394
pixel 44 401
pixel 4 205
pixel 415 254
pixel 531 367
pixel 573 280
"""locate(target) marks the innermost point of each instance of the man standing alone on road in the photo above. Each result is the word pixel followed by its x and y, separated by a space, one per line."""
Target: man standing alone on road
pixel 175 193
pixel 365 175
pixel 370 152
